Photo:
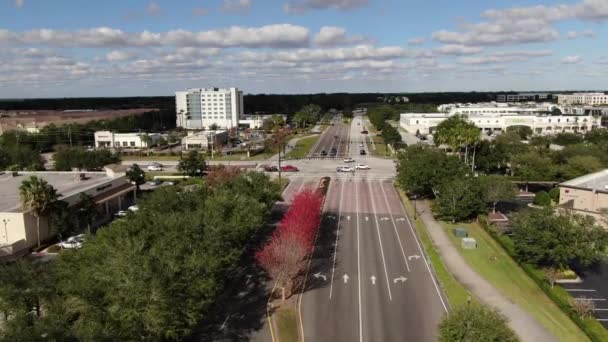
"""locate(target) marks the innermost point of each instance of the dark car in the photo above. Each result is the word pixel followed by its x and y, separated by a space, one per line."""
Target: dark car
pixel 323 153
pixel 362 152
pixel 364 132
pixel 271 169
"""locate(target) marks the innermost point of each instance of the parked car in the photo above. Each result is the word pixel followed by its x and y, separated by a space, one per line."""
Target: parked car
pixel 289 168
pixel 362 152
pixel 155 167
pixel 271 169
pixel 121 213
pixel 154 182
pixel 345 169
pixel 133 208
pixel 362 167
pixel 349 160
pixel 73 242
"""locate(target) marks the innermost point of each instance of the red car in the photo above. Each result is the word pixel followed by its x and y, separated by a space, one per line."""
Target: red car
pixel 289 168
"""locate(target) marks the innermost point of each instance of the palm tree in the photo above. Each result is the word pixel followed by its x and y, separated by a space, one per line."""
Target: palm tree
pixel 87 210
pixel 37 195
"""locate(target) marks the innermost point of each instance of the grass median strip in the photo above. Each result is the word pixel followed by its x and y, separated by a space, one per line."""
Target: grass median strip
pixel 286 324
pixel 303 146
pixel 456 293
pixel 493 263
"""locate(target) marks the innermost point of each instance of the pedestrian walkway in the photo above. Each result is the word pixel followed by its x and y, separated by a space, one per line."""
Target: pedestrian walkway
pixel 526 326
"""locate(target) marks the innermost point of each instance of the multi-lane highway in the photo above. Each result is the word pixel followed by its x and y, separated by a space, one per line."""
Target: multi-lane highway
pixel 336 138
pixel 368 279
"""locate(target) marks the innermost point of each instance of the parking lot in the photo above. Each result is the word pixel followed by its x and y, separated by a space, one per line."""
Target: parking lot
pixel 594 288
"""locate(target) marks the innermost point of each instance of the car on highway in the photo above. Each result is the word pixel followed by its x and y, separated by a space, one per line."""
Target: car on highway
pixel 271 168
pixel 73 242
pixel 362 152
pixel 155 167
pixel 345 169
pixel 361 145
pixel 289 168
pixel 364 132
pixel 349 160
pixel 362 167
pixel 323 153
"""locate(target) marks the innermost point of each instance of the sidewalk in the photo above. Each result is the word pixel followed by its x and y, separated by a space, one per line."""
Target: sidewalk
pixel 526 326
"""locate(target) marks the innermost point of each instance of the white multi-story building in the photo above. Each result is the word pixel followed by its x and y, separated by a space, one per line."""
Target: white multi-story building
pixel 592 99
pixel 107 139
pixel 495 108
pixel 426 123
pixel 201 108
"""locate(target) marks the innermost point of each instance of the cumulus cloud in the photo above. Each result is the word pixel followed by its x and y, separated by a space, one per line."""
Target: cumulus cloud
pixel 269 36
pixel 333 36
pixel 416 41
pixel 301 6
pixel 506 57
pixel 585 33
pixel 522 24
pixel 455 49
pixel 571 60
pixel 236 6
pixel 361 52
pixel 118 56
pixel 199 11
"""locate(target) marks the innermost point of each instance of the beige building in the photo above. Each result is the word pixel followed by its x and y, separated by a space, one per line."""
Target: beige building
pixel 110 190
pixel 587 195
pixel 593 99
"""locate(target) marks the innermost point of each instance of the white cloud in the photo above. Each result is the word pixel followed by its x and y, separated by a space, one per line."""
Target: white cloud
pixel 273 36
pixel 19 3
pixel 118 56
pixel 361 52
pixel 416 41
pixel 505 57
pixel 522 24
pixel 236 6
pixel 333 36
pixel 571 60
pixel 455 49
pixel 153 8
pixel 199 11
pixel 585 33
pixel 301 6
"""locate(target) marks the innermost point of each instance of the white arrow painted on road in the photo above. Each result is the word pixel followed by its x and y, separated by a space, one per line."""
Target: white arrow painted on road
pixel 366 218
pixel 331 217
pixel 384 219
pixel 415 256
pixel 373 278
pixel 348 217
pixel 319 275
pixel 401 279
pixel 345 277
pixel 400 219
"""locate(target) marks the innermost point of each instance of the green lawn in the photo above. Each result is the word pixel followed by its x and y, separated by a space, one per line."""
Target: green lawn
pixel 457 294
pixel 381 149
pixel 496 266
pixel 303 146
pixel 286 325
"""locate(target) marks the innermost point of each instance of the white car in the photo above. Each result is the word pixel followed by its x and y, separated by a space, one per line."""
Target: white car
pixel 155 167
pixel 345 169
pixel 73 242
pixel 133 208
pixel 121 213
pixel 349 160
pixel 361 145
pixel 362 167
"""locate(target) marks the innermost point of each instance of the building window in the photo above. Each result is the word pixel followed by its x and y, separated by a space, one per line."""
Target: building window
pixel 124 143
pixel 117 144
pixel 132 143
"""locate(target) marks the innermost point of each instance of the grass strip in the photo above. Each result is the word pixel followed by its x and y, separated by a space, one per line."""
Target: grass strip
pixel 286 324
pixel 303 146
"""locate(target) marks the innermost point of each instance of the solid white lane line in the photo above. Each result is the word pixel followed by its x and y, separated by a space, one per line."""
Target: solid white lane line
pixel 602 319
pixel 600 309
pixel 591 299
pixel 359 266
pixel 333 268
pixel 388 283
pixel 445 307
pixel 407 265
pixel 580 290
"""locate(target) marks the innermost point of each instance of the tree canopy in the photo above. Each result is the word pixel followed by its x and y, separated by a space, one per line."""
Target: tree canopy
pixel 192 165
pixel 475 322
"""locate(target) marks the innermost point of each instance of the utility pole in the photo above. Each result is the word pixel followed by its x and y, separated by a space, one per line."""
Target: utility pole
pixel 70 135
pixel 5 221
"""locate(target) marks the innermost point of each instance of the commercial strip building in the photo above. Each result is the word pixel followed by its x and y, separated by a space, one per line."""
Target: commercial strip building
pixel 107 139
pixel 587 195
pixel 110 190
pixel 592 99
pixel 200 108
pixel 204 140
pixel 496 108
pixel 426 123
pixel 523 97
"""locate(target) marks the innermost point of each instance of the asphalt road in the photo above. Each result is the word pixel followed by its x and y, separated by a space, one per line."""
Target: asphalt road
pixel 335 136
pixel 368 279
pixel 594 288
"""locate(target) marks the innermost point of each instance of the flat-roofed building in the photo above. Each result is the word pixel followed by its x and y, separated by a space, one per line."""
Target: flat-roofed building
pixel 592 99
pixel 107 139
pixel 202 108
pixel 587 195
pixel 110 190
pixel 204 140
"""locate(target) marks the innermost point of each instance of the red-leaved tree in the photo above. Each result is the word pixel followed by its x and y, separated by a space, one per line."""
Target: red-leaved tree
pixel 284 256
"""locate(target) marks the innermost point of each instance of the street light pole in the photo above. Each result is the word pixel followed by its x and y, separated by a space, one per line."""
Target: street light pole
pixel 415 210
pixel 5 221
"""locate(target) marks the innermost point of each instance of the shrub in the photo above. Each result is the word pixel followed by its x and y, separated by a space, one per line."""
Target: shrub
pixel 542 198
pixel 554 194
pixel 475 322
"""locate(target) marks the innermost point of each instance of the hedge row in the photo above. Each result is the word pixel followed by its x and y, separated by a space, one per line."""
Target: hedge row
pixel 590 326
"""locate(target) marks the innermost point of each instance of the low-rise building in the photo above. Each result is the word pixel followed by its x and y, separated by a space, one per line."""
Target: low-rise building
pixel 592 99
pixel 523 97
pixel 110 190
pixel 204 140
pixel 257 121
pixel 107 139
pixel 426 123
pixel 587 195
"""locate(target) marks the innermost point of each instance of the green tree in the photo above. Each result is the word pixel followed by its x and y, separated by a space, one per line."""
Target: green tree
pixel 554 194
pixel 87 210
pixel 524 132
pixel 136 176
pixel 214 127
pixel 544 238
pixel 422 169
pixel 568 139
pixel 391 135
pixel 37 195
pixel 62 221
pixel 457 132
pixel 542 198
pixel 579 166
pixel 533 166
pixel 192 165
pixel 458 200
pixel 495 189
pixel 67 159
pixel 475 322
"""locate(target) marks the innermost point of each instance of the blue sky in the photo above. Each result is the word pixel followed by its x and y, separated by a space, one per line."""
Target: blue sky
pixel 65 48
